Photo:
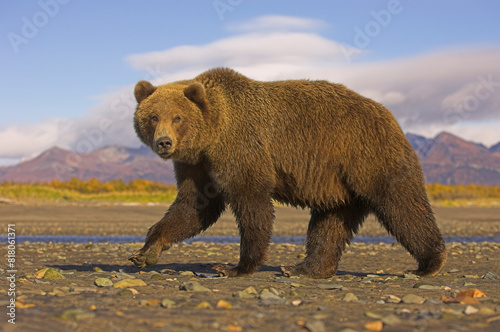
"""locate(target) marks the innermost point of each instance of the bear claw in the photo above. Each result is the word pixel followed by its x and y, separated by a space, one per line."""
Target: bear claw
pixel 146 257
pixel 230 271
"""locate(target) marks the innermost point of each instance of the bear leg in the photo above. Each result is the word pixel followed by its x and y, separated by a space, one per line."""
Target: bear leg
pixel 183 220
pixel 255 223
pixel 327 235
pixel 413 224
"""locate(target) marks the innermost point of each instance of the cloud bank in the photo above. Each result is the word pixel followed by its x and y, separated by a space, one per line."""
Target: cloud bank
pixel 456 90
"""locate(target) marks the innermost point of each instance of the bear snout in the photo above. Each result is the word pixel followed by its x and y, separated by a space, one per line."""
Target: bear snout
pixel 163 144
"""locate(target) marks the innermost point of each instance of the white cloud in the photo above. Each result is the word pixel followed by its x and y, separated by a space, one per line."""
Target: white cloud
pixel 269 23
pixel 427 93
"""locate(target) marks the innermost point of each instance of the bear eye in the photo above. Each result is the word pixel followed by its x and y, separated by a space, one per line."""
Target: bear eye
pixel 177 119
pixel 154 118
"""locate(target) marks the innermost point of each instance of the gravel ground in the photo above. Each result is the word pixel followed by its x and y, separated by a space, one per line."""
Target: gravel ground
pixel 57 284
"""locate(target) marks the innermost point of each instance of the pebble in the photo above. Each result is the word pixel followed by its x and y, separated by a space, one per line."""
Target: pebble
pixel 268 297
pixel 393 299
pixel 222 304
pixel 77 314
pixel 167 303
pixel 486 311
pixel 412 299
pixel 391 319
pixel 492 276
pixel 428 287
pixel 103 282
pixel 330 286
pixel 79 289
pixel 204 305
pixel 315 326
pixel 122 276
pixel 125 292
pixel 52 274
pixel 194 286
pixel 377 325
pixel 469 310
pixel 350 297
pixel 187 273
pixel 247 293
pixel 125 283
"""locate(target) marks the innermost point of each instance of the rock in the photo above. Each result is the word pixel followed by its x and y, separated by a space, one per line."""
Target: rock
pixel 468 296
pixel 454 271
pixel 186 273
pixel 412 299
pixel 149 303
pixel 393 299
pixel 350 297
pixel 492 276
pixel 486 311
pixel 470 310
pixel 158 277
pixel 248 293
pixel 103 282
pixel 77 314
pixel 204 305
pixel 126 293
pixel 166 303
pixel 374 315
pixel 330 286
pixel 391 319
pixel 125 283
pixel 315 326
pixel 410 276
pixel 222 304
pixel 270 298
pixel 123 275
pixel 194 286
pixel 52 274
pixel 296 303
pixel 79 289
pixel 377 325
pixel 97 269
pixel 424 285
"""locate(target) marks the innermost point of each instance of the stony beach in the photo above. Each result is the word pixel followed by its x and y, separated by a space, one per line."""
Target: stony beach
pixel 89 286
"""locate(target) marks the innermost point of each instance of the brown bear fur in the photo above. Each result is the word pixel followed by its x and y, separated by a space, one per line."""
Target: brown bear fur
pixel 240 142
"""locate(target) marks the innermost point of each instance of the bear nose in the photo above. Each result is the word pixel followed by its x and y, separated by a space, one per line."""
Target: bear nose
pixel 164 143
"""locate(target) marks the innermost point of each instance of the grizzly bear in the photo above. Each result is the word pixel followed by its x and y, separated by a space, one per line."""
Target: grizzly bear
pixel 310 144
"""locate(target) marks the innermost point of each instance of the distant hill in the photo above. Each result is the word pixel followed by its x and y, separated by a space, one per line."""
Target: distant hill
pixel 448 159
pixel 445 159
pixel 109 163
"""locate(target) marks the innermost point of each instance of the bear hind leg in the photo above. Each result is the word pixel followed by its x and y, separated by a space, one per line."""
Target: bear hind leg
pixel 413 224
pixel 327 236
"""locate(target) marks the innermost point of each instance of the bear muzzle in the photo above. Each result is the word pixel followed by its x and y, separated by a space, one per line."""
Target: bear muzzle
pixel 163 145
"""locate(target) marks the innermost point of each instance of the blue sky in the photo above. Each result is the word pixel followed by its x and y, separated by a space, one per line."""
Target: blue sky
pixel 63 62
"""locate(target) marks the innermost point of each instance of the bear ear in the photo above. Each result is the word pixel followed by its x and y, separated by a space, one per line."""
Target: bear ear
pixel 143 89
pixel 196 93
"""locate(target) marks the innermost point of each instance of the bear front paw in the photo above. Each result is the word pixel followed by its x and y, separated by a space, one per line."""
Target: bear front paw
pixel 146 257
pixel 229 271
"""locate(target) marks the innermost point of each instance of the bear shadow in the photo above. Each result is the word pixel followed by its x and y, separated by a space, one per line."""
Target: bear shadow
pixel 197 268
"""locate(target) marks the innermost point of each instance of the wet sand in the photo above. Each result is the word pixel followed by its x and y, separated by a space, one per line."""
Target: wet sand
pixel 370 287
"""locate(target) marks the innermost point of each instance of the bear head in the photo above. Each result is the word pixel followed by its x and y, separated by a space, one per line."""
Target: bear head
pixel 171 119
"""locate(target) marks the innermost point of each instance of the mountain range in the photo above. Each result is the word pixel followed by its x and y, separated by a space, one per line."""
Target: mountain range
pixel 445 159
